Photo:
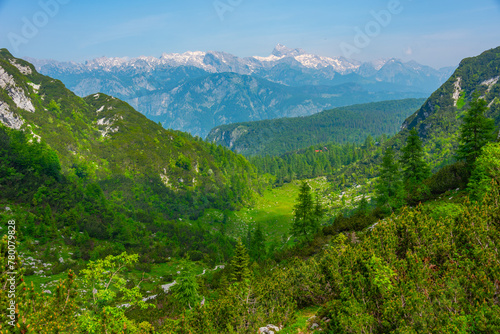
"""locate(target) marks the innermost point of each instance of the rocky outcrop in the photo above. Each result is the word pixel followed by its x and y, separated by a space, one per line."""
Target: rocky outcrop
pixel 269 329
pixel 8 118
pixel 17 94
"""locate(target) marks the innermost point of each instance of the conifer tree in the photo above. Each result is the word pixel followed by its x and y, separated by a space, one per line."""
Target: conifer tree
pixel 307 213
pixel 258 246
pixel 240 263
pixel 319 212
pixel 304 212
pixel 475 132
pixel 185 292
pixel 389 187
pixel 415 168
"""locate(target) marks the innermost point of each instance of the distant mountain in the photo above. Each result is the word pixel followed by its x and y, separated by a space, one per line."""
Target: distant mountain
pixel 150 83
pixel 162 171
pixel 350 124
pixel 201 104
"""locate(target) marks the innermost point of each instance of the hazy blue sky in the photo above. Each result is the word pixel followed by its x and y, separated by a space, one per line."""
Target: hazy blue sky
pixel 437 33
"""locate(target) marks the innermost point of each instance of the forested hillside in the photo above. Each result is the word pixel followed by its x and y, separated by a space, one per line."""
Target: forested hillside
pixel 439 118
pixel 318 160
pixel 438 121
pixel 350 124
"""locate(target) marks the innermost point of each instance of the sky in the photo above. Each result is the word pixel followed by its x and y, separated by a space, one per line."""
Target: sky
pixel 435 33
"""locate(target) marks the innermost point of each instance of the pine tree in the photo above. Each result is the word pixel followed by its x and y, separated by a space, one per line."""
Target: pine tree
pixel 475 132
pixel 319 212
pixel 240 263
pixel 304 212
pixel 389 186
pixel 185 292
pixel 415 168
pixel 258 245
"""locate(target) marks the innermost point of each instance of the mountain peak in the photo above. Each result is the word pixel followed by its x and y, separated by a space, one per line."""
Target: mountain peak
pixel 282 51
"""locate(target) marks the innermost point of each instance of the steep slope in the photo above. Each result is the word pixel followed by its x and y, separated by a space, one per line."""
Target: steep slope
pixel 105 139
pixel 439 119
pixel 340 125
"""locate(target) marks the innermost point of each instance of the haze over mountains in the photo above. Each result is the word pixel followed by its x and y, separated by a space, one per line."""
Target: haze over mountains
pixel 196 91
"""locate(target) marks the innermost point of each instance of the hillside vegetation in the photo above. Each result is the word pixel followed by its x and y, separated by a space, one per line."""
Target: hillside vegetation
pixel 395 236
pixel 350 124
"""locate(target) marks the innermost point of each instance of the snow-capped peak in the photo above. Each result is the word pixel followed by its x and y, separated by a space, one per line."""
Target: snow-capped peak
pixel 219 62
pixel 282 51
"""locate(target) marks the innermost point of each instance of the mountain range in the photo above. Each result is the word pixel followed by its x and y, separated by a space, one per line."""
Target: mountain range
pixel 196 91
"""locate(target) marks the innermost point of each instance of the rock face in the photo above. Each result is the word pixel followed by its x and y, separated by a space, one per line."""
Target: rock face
pixel 8 118
pixel 17 96
pixel 16 93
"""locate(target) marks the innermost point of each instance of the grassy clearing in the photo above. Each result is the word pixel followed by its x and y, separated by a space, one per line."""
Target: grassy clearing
pixel 302 322
pixel 274 209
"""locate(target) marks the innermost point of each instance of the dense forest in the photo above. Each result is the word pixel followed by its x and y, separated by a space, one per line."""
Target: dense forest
pixel 100 196
pixel 343 125
pixel 318 160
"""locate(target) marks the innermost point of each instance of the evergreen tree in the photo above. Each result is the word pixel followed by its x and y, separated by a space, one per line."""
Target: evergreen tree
pixel 475 132
pixel 415 168
pixel 389 187
pixel 240 263
pixel 304 217
pixel 185 292
pixel 258 245
pixel 319 212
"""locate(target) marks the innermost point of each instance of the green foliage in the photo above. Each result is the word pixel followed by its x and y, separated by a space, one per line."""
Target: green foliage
pixel 315 161
pixel 451 177
pixel 389 186
pixel 461 101
pixel 257 246
pixel 487 168
pixel 185 292
pixel 381 275
pixel 34 312
pixel 343 125
pixel 240 263
pixel 307 214
pixel 475 132
pixel 108 288
pixel 415 168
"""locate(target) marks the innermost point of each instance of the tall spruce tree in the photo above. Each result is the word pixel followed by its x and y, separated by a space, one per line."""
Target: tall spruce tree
pixel 475 132
pixel 415 168
pixel 389 188
pixel 185 292
pixel 240 263
pixel 304 215
pixel 258 247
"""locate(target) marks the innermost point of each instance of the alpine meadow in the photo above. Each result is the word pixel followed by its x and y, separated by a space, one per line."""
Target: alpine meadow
pixel 211 192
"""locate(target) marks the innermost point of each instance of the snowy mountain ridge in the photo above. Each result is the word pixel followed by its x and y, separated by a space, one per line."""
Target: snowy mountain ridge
pixel 219 62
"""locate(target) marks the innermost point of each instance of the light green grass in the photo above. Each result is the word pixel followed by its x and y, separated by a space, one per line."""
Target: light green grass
pixel 274 209
pixel 301 322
